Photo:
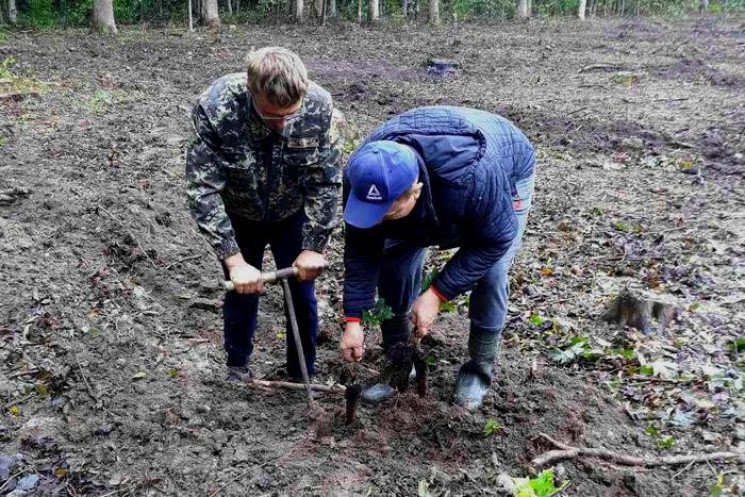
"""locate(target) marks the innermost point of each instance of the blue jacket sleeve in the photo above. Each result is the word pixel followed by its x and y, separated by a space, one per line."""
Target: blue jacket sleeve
pixel 363 251
pixel 493 226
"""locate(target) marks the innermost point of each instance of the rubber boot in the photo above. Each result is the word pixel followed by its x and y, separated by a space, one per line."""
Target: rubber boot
pixel 474 377
pixel 396 332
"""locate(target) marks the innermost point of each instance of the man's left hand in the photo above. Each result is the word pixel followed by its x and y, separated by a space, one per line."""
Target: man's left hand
pixel 424 312
pixel 310 265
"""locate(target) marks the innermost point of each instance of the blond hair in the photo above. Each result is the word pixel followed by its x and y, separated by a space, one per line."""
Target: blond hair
pixel 277 74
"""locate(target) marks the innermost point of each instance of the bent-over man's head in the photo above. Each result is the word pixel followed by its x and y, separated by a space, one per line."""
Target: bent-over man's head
pixel 277 80
pixel 383 176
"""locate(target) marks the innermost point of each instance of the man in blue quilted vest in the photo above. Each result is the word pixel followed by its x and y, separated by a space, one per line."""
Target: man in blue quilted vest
pixel 446 177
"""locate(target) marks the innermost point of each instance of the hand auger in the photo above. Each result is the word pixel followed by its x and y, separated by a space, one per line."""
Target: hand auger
pixel 282 276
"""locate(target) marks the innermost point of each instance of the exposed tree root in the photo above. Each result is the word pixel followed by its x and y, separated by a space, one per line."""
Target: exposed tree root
pixel 565 451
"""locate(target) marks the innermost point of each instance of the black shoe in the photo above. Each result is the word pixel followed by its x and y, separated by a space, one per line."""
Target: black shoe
pixel 238 374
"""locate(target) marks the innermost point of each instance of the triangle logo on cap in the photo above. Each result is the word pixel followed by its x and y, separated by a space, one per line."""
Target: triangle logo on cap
pixel 373 193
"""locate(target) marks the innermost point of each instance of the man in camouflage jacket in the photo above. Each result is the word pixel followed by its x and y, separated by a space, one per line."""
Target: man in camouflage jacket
pixel 264 169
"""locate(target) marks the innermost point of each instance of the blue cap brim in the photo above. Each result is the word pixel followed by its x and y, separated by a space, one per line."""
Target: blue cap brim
pixel 364 214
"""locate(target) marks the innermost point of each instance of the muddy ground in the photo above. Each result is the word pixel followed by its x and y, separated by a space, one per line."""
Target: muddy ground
pixel 110 327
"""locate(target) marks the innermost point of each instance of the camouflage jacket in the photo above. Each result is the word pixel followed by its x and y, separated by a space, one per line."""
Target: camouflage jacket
pixel 237 167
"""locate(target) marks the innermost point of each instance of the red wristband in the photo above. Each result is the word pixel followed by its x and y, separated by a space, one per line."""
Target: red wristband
pixel 352 320
pixel 439 295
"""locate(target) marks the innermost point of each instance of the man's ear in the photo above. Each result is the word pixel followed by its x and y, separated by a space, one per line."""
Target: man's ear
pixel 417 191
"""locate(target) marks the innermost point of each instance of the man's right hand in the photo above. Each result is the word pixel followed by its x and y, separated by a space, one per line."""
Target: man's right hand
pixel 353 342
pixel 245 277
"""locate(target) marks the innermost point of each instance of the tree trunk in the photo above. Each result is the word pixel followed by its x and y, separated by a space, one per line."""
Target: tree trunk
pixel 359 11
pixel 332 8
pixel 298 10
pixel 703 5
pixel 434 12
pixel 103 16
pixel 191 18
pixel 374 11
pixel 211 17
pixel 522 8
pixel 581 10
pixel 12 12
pixel 237 6
pixel 405 7
pixel 530 7
pixel 230 8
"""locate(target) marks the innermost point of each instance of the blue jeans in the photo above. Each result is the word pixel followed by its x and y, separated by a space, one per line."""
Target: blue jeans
pixel 239 311
pixel 401 275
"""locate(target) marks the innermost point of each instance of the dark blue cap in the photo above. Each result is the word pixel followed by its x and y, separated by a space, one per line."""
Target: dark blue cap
pixel 379 173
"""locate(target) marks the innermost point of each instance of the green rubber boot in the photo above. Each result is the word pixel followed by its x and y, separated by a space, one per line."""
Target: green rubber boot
pixel 474 377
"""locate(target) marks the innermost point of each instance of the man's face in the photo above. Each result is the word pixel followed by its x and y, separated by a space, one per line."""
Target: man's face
pixel 275 117
pixel 403 205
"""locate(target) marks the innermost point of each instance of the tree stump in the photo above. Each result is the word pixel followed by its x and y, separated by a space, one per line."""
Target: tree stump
pixel 639 312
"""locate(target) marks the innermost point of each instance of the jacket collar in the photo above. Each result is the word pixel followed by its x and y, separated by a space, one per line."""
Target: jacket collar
pixel 425 206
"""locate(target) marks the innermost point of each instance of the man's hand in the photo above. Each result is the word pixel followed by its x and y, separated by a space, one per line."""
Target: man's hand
pixel 310 264
pixel 245 277
pixel 353 342
pixel 424 312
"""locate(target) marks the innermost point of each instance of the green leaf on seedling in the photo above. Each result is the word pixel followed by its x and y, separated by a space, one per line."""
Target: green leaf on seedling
pixel 694 306
pixel 535 319
pixel 738 345
pixel 139 375
pixel 373 317
pixel 666 442
pixel 490 428
pixel 430 360
pixel 718 489
pixel 172 372
pixel 94 332
pixel 448 306
pixel 627 353
pixel 646 370
pixel 542 485
pixel 281 335
pixel 621 226
pixel 652 430
pixel 41 390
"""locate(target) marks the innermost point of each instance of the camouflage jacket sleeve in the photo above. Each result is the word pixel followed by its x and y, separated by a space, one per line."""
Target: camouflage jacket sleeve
pixel 205 179
pixel 323 188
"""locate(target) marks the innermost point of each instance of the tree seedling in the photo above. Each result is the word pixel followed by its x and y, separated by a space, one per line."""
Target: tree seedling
pixel 666 442
pixel 543 485
pixel 373 317
pixel 491 427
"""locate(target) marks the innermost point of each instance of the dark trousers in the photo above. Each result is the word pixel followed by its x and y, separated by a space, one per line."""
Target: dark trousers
pixel 239 311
